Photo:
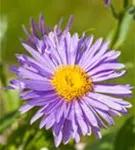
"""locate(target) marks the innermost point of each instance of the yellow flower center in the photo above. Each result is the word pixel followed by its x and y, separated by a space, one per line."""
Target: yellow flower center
pixel 71 82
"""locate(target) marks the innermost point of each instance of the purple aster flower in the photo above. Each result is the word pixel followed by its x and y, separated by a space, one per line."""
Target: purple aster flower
pixel 65 78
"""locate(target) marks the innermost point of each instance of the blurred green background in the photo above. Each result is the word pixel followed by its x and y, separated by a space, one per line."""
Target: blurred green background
pixel 89 15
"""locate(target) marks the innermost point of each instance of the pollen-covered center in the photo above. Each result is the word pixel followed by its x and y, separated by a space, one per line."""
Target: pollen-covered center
pixel 71 82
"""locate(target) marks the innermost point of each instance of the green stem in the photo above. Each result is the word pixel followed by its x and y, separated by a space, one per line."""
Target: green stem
pixel 123 26
pixel 113 11
pixel 126 3
pixel 2 75
pixel 116 35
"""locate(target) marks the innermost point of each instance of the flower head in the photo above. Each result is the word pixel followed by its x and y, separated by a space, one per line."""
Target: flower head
pixel 65 77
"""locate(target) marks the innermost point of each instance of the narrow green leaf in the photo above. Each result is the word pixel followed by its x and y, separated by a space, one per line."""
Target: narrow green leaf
pixel 125 139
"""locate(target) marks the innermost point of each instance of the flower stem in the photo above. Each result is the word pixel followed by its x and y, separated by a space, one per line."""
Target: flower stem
pixel 123 25
pixel 113 11
pixel 2 75
pixel 126 3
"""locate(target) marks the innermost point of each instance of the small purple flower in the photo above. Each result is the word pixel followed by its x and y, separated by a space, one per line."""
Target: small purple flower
pixel 65 78
pixel 107 2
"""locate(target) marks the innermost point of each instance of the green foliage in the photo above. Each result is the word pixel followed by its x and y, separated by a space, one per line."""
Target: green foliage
pixel 105 144
pixel 125 139
pixel 7 120
pixel 24 136
pixel 66 147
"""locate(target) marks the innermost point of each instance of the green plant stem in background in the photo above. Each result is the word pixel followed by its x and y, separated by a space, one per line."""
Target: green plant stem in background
pixel 126 3
pixel 113 11
pixel 3 29
pixel 124 20
pixel 123 26
pixel 2 75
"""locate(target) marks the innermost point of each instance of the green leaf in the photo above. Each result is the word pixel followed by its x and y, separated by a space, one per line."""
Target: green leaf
pixel 125 139
pixel 8 120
